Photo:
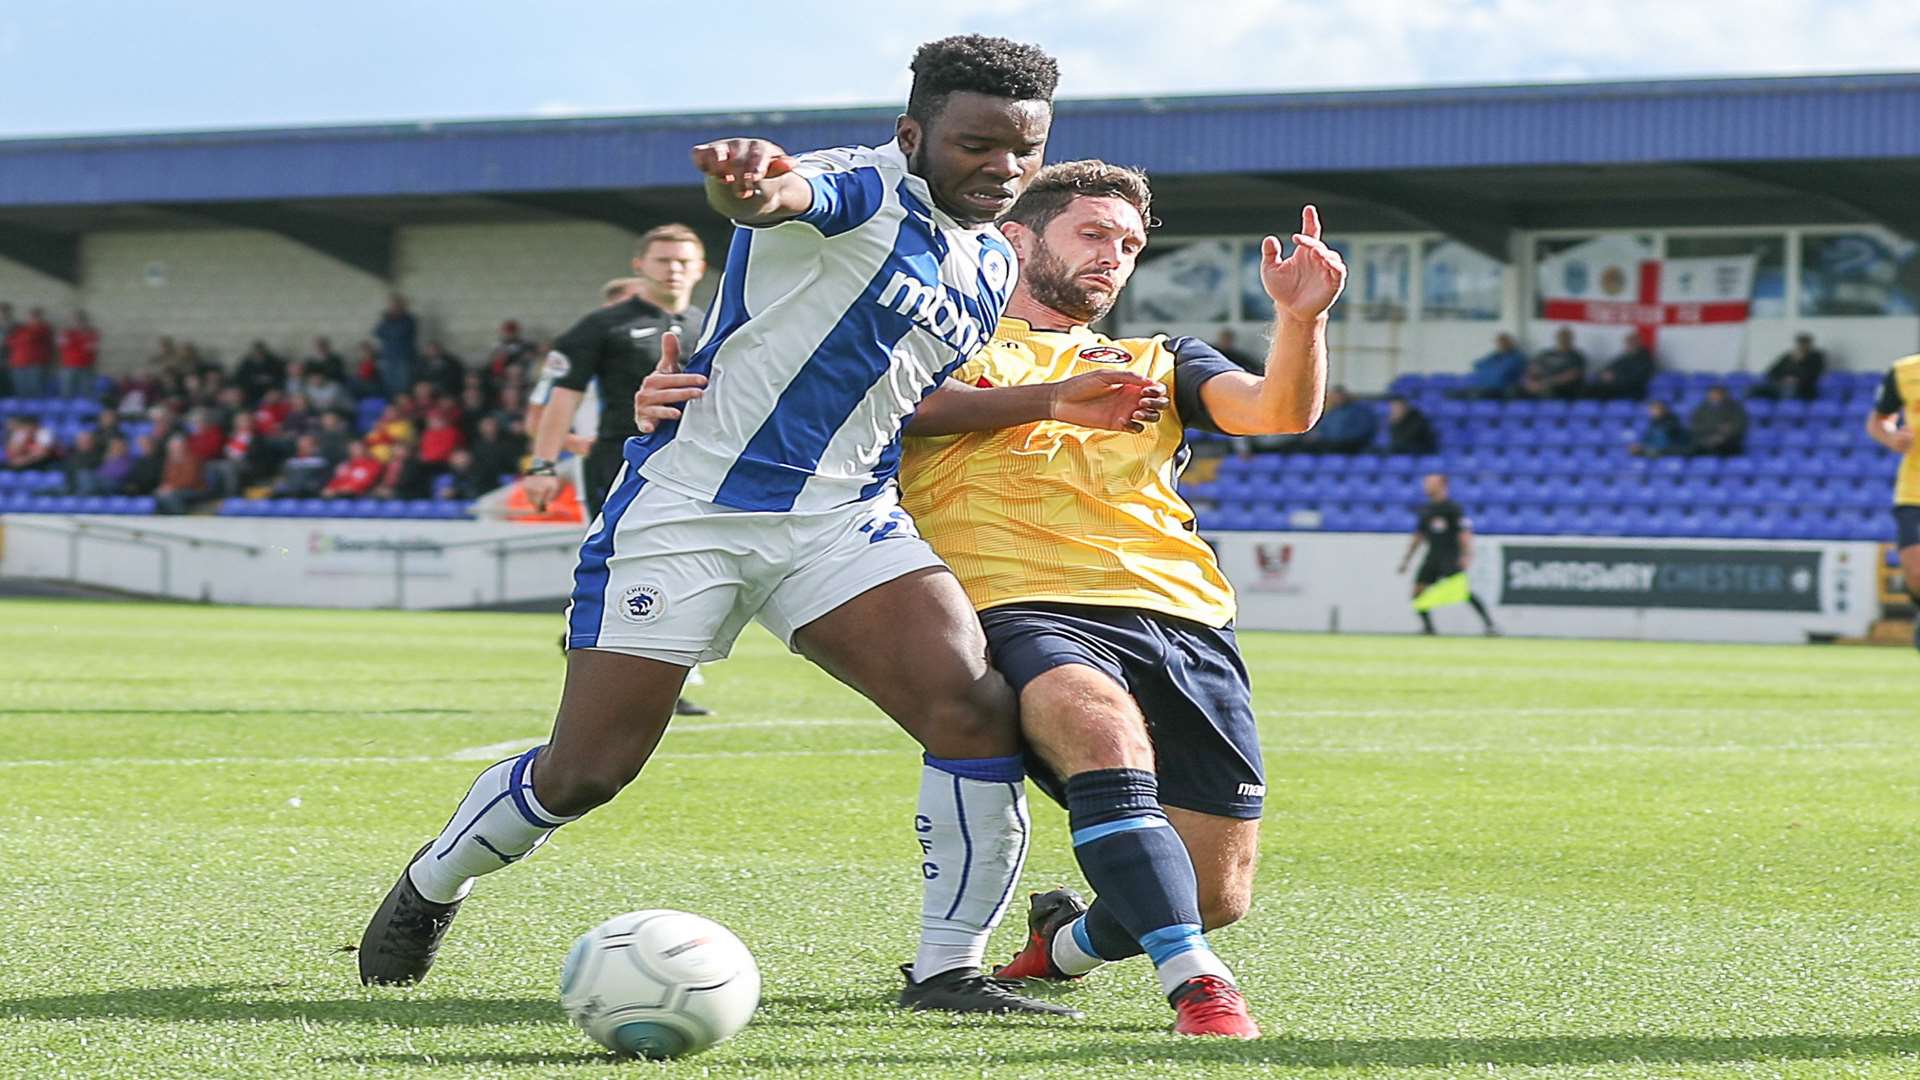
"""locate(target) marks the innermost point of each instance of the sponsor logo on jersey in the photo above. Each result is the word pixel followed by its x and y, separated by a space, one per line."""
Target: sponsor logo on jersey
pixel 557 365
pixel 1106 354
pixel 642 604
pixel 642 333
pixel 932 307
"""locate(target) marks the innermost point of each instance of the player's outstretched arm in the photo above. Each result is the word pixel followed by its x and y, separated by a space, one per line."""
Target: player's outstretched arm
pixel 1289 397
pixel 751 181
pixel 1108 400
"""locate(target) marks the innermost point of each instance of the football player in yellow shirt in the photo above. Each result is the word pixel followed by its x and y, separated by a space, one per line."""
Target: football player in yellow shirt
pixel 1106 612
pixel 1900 399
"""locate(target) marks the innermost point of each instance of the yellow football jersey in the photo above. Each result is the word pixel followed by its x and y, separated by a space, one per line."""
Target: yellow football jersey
pixel 1904 384
pixel 1066 514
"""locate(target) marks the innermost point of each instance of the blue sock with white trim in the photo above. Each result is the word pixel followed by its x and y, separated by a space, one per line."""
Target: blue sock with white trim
pixel 497 824
pixel 1142 875
pixel 971 825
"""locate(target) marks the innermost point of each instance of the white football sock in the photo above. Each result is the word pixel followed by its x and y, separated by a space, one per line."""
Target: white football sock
pixel 1069 955
pixel 972 828
pixel 498 824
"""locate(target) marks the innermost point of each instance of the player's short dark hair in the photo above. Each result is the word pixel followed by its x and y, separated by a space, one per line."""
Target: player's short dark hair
pixel 671 233
pixel 1055 187
pixel 984 65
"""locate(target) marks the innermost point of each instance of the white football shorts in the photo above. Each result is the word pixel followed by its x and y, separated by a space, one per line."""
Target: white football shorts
pixel 673 578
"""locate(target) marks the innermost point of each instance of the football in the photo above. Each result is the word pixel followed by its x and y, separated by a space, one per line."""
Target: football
pixel 659 984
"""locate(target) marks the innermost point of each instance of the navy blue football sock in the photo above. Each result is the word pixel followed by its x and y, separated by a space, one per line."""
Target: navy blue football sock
pixel 1131 856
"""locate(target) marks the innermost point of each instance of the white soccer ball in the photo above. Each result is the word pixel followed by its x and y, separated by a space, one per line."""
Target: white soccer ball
pixel 659 984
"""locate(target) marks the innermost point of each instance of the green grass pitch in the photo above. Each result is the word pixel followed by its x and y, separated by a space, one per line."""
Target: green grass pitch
pixel 1482 858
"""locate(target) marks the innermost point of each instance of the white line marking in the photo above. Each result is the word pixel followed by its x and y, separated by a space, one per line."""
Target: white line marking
pixel 494 751
pixel 667 758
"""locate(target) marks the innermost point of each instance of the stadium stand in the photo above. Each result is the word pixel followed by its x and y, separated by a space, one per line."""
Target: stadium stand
pixel 1557 467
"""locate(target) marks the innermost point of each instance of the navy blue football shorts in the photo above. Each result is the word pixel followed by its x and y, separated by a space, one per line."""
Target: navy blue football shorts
pixel 1187 677
pixel 1906 525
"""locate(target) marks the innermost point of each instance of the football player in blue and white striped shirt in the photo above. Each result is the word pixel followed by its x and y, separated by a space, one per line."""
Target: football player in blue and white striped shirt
pixel 857 280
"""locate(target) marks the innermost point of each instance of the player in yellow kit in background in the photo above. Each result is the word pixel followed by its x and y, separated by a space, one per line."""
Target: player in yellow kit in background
pixel 1900 399
pixel 1102 607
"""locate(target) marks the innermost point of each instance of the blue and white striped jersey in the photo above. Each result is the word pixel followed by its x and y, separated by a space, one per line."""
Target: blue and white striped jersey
pixel 827 332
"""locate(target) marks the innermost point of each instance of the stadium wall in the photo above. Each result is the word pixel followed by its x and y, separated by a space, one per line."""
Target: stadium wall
pixel 1665 590
pixel 1573 587
pixel 223 288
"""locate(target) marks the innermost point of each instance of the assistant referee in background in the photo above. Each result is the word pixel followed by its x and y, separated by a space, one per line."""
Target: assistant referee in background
pixel 617 345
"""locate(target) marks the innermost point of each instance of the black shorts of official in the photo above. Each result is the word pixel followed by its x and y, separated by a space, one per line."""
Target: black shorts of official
pixel 601 469
pixel 1187 677
pixel 1906 526
pixel 1433 570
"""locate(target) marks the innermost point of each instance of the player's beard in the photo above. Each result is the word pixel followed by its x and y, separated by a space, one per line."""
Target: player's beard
pixel 1049 280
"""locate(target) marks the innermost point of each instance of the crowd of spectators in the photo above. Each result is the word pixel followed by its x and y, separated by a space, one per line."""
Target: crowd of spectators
pixel 1561 372
pixel 398 419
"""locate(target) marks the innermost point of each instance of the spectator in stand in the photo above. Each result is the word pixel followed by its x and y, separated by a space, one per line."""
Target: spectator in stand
pixel 30 356
pixel 1718 425
pixel 6 351
pixel 204 437
pixel 355 476
pixel 79 356
pixel 116 466
pixel 144 474
pixel 306 473
pixel 1557 372
pixel 327 360
pixel 1664 435
pixel 510 358
pixel 398 335
pixel 183 480
pixel 334 437
pixel 494 454
pixel 83 458
pixel 1496 375
pixel 404 477
pixel 326 394
pixel 228 405
pixel 242 459
pixel 468 481
pixel 364 381
pixel 260 371
pixel 1627 376
pixel 473 406
pixel 106 426
pixel 1229 347
pixel 1346 427
pixel 441 368
pixel 270 415
pixel 438 443
pixel 390 430
pixel 1796 374
pixel 30 444
pixel 1408 429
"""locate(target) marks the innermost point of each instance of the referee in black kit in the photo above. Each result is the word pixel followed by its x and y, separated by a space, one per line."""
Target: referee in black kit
pixel 617 346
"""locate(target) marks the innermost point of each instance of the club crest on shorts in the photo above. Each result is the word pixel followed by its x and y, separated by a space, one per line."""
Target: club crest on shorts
pixel 1106 354
pixel 642 604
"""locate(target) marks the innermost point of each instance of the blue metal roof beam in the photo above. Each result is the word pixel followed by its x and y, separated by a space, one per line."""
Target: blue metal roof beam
pixel 1862 117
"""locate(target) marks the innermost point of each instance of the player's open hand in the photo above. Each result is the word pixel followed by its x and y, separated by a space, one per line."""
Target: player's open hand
pixel 740 164
pixel 1900 440
pixel 665 389
pixel 1306 283
pixel 1109 400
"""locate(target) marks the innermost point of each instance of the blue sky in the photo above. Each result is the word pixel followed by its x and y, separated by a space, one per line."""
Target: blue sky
pixel 79 66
